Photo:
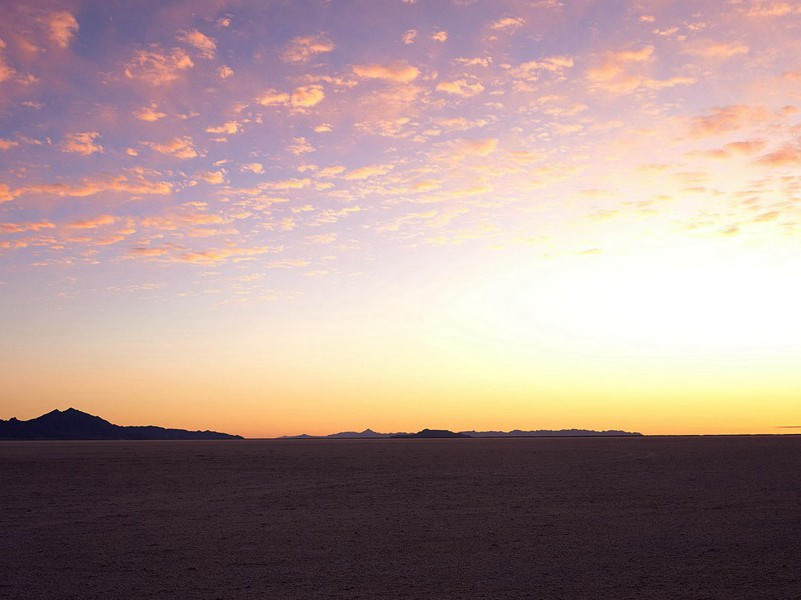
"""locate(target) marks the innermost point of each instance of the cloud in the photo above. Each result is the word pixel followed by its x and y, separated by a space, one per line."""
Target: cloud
pixel 213 177
pixel 304 48
pixel 82 143
pixel 785 156
pixel 712 50
pixel 229 127
pixel 300 146
pixel 179 147
pixel 461 87
pixel 253 167
pixel 273 97
pixel 149 113
pixel 6 144
pixel 507 23
pixel 440 36
pixel 398 71
pixel 62 27
pixel 23 227
pixel 91 186
pixel 408 36
pixel 307 96
pixel 614 73
pixel 773 9
pixel 93 223
pixel 203 43
pixel 214 255
pixel 157 67
pixel 224 72
pixel 6 71
pixel 474 147
pixel 323 128
pixel 367 172
pixel 724 119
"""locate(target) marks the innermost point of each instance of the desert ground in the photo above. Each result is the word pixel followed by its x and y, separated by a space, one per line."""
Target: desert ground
pixel 651 517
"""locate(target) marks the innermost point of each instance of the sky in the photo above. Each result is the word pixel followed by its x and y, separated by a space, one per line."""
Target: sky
pixel 278 217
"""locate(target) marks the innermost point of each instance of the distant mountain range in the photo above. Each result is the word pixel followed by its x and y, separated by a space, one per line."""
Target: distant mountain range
pixel 444 433
pixel 73 424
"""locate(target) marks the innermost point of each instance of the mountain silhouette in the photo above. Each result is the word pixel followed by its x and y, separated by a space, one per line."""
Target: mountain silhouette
pixel 431 433
pixel 73 424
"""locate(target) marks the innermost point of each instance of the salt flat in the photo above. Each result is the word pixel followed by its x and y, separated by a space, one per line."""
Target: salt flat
pixel 652 517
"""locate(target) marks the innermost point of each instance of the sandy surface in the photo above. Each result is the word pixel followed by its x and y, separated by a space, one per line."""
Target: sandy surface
pixel 521 518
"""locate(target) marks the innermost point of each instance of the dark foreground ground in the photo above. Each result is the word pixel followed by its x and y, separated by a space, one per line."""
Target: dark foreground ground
pixel 520 518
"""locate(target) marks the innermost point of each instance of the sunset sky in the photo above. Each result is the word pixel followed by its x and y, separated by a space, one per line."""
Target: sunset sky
pixel 278 217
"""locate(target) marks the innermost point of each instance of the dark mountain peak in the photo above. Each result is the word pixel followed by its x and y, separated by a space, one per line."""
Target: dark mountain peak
pixel 73 424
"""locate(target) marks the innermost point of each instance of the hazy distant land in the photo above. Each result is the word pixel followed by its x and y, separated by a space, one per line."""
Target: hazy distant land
pixel 444 433
pixel 73 424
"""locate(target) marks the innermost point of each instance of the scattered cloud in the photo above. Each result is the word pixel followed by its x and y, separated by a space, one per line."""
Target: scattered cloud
pixel 93 223
pixel 304 48
pixel 253 167
pixel 158 67
pixel 149 113
pixel 83 143
pixel 179 147
pixel 725 119
pixel 506 23
pixel 63 27
pixel 461 87
pixel 199 41
pixel 398 71
pixel 409 36
pixel 307 96
pixel 229 127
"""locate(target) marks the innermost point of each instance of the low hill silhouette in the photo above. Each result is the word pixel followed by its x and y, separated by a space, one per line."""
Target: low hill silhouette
pixel 72 424
pixel 431 433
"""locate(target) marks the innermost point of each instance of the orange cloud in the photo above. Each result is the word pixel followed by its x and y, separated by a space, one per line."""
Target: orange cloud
pixel 369 171
pixel 157 67
pixel 229 127
pixel 253 167
pixel 721 50
pixel 213 177
pixel 307 96
pixel 461 87
pixel 440 36
pixel 149 113
pixel 62 27
pixel 90 187
pixel 6 144
pixel 206 45
pixel 475 147
pixel 785 156
pixel 398 71
pixel 22 227
pixel 273 97
pixel 302 49
pixel 725 119
pixel 508 23
pixel 82 143
pixel 221 254
pixel 179 147
pixel 409 36
pixel 93 223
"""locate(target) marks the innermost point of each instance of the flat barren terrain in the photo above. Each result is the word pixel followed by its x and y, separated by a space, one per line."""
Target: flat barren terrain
pixel 677 517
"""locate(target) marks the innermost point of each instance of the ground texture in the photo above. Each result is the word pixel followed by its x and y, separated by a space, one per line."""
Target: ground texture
pixel 694 517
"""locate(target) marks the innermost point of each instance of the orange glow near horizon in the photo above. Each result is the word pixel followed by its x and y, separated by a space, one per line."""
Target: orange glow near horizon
pixel 315 217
